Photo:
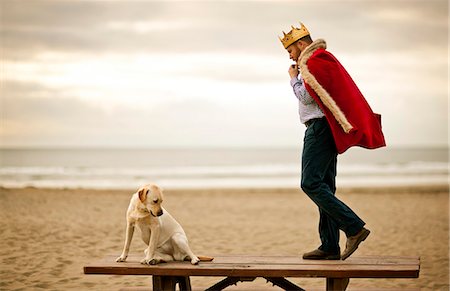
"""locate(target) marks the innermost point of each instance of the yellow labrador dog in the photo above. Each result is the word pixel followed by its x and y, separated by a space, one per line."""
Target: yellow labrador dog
pixel 164 236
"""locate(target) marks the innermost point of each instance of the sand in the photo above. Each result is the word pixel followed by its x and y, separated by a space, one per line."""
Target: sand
pixel 47 235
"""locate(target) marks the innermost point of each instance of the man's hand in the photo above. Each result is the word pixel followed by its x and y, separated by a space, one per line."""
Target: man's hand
pixel 293 71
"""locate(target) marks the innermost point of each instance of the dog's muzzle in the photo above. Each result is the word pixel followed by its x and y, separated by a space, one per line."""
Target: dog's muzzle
pixel 157 214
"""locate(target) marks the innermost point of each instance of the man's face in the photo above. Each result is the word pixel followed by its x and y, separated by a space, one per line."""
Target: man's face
pixel 294 51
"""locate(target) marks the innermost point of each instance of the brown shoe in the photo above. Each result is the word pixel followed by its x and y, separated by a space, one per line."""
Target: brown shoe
pixel 321 255
pixel 354 241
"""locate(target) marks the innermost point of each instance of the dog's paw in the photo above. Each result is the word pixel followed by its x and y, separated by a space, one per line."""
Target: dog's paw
pixel 195 260
pixel 121 259
pixel 145 261
pixel 150 261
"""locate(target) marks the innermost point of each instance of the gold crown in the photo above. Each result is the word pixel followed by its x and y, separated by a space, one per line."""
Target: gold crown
pixel 293 35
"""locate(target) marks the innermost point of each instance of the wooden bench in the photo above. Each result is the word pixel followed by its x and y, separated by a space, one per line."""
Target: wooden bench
pixel 273 268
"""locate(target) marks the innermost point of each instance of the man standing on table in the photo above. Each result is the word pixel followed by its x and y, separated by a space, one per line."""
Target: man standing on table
pixel 337 117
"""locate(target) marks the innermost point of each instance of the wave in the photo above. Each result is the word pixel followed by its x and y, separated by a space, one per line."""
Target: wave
pixel 236 176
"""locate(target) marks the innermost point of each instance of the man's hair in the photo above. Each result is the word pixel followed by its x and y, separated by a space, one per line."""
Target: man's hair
pixel 306 39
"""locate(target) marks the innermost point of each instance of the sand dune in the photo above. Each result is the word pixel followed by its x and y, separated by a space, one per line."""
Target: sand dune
pixel 48 235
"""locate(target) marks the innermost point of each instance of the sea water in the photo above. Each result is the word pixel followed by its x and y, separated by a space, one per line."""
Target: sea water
pixel 214 168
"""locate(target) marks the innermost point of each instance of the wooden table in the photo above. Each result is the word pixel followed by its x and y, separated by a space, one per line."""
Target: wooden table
pixel 273 268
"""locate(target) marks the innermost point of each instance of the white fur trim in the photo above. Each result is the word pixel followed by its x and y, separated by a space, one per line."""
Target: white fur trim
pixel 320 91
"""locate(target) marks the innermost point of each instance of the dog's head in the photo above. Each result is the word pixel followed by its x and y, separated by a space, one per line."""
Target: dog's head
pixel 151 196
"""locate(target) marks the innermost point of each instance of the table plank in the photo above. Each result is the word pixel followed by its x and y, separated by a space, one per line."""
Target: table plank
pixel 370 260
pixel 266 266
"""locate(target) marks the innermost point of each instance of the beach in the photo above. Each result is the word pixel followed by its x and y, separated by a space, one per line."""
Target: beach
pixel 47 235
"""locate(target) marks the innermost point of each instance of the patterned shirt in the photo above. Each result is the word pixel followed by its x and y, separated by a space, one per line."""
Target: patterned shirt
pixel 307 106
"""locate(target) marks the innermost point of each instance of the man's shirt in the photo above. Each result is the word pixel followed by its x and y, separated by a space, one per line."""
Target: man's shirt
pixel 307 106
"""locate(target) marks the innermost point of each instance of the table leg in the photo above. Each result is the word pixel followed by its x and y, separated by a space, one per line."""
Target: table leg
pixel 284 284
pixel 168 283
pixel 337 284
pixel 228 281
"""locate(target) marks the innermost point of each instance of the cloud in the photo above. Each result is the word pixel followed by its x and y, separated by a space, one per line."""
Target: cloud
pixel 34 120
pixel 99 27
pixel 209 72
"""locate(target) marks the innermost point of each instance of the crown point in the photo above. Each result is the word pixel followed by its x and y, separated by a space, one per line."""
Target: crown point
pixel 294 35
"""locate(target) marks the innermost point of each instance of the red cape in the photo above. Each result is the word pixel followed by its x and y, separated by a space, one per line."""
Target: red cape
pixel 364 126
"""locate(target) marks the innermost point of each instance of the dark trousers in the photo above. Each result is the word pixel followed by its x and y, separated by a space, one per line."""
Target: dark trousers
pixel 319 162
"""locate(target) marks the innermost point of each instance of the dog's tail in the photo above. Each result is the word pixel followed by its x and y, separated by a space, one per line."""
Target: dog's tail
pixel 205 258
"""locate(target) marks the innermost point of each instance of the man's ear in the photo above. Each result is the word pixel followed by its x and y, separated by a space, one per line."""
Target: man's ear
pixel 143 194
pixel 300 45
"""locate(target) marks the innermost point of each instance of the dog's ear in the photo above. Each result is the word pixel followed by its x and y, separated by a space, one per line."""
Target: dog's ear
pixel 143 194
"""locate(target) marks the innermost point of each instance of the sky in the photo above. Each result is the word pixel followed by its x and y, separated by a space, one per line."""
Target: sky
pixel 210 73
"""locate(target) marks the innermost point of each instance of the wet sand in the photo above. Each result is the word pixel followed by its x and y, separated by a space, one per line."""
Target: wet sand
pixel 47 235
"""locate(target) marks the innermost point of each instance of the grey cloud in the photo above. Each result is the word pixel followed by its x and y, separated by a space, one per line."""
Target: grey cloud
pixel 84 26
pixel 55 118
pixel 371 28
pixel 29 27
pixel 28 103
pixel 66 120
pixel 31 113
pixel 383 26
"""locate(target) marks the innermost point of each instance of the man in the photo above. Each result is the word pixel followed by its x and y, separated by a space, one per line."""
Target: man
pixel 337 117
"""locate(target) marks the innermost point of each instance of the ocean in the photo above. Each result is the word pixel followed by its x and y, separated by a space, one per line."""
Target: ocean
pixel 214 168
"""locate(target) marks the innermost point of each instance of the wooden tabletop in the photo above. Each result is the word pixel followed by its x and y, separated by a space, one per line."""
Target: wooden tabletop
pixel 266 266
